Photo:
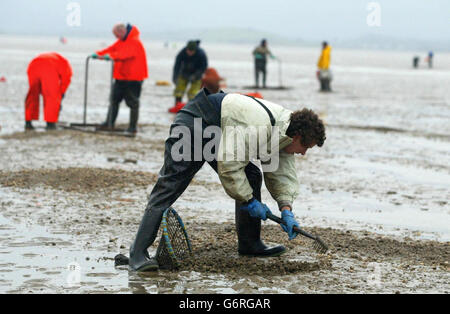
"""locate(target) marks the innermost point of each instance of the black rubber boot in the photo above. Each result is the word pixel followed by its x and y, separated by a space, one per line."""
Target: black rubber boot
pixel 249 236
pixel 322 85
pixel 327 85
pixel 29 126
pixel 50 126
pixel 139 259
pixel 113 111
pixel 134 116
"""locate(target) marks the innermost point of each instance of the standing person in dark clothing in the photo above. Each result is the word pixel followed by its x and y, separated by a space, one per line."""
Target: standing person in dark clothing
pixel 430 59
pixel 190 64
pixel 130 70
pixel 260 54
pixel 416 60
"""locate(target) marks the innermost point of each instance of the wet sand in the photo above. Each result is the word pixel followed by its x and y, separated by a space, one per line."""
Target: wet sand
pixel 89 214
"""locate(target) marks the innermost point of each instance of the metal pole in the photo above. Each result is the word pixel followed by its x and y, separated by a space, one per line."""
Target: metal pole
pixel 112 73
pixel 109 122
pixel 86 71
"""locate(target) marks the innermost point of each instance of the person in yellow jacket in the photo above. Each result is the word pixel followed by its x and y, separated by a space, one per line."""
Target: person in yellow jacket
pixel 323 73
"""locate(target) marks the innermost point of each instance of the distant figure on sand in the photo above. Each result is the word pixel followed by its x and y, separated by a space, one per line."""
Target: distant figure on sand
pixel 416 60
pixel 49 74
pixel 430 59
pixel 130 71
pixel 210 81
pixel 260 54
pixel 190 64
pixel 323 72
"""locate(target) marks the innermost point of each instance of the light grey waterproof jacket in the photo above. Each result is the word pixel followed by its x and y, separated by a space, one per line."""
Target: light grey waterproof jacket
pixel 243 122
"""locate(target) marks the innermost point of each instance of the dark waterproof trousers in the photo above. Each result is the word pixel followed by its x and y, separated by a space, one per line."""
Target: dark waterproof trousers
pixel 175 176
pixel 177 173
pixel 325 85
pixel 260 67
pixel 130 91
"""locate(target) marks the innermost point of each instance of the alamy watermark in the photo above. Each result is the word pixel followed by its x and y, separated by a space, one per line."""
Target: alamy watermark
pixel 73 18
pixel 374 17
pixel 234 143
pixel 73 279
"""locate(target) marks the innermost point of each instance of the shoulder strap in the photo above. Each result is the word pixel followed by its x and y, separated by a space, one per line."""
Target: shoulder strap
pixel 272 119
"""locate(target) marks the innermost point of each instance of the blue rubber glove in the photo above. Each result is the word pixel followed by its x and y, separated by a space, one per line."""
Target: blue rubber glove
pixel 290 222
pixel 94 56
pixel 256 209
pixel 107 57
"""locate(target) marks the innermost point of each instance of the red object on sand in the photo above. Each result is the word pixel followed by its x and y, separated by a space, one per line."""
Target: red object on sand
pixel 177 107
pixel 2 79
pixel 256 95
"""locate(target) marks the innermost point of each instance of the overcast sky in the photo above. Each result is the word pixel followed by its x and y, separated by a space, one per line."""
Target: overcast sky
pixel 311 20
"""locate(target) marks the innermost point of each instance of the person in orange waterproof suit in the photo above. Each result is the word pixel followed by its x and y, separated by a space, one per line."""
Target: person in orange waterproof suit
pixel 130 70
pixel 49 74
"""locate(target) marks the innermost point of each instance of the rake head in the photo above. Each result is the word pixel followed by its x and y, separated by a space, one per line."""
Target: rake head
pixel 320 246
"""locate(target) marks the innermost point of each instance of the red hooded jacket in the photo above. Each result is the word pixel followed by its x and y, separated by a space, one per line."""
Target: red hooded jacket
pixel 130 60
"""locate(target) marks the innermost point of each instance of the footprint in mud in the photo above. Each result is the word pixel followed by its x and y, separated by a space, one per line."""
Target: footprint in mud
pixel 52 273
pixel 101 275
pixel 30 255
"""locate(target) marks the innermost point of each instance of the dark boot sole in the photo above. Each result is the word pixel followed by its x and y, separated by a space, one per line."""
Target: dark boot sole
pixel 147 268
pixel 275 254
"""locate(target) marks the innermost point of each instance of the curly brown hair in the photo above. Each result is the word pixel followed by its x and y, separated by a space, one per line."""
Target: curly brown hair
pixel 307 124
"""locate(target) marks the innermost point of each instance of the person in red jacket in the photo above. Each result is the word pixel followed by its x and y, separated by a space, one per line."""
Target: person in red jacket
pixel 130 70
pixel 49 74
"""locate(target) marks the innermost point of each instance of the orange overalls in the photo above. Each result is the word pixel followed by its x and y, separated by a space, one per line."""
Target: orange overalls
pixel 49 74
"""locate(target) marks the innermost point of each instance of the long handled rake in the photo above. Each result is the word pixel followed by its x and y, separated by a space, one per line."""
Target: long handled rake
pixel 318 244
